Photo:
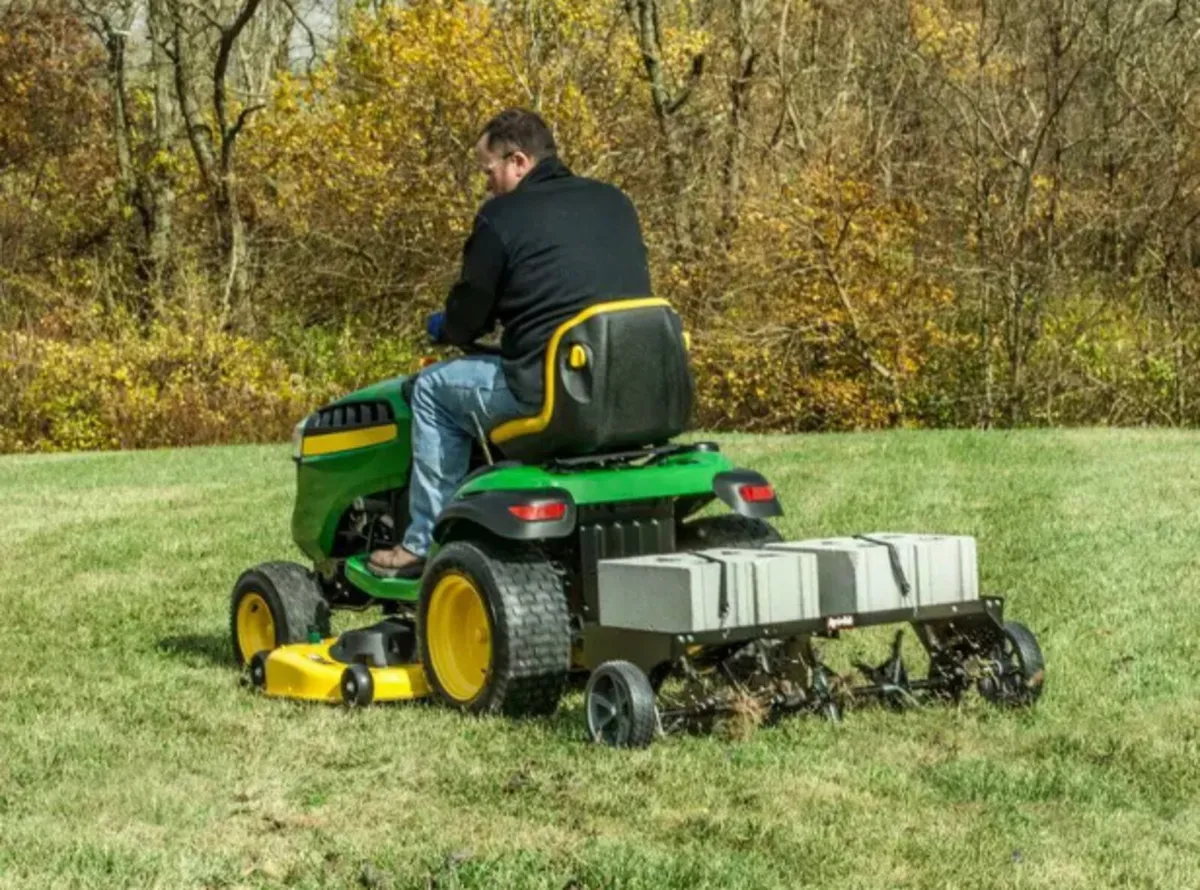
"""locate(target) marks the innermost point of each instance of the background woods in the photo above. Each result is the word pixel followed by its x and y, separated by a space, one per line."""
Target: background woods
pixel 215 215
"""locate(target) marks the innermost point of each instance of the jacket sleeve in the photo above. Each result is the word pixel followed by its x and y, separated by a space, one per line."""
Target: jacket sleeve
pixel 470 307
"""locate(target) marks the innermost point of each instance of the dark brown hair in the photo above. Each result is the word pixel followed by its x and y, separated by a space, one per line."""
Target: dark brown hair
pixel 517 129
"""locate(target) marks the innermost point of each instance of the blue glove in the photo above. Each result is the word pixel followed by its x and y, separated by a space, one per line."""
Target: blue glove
pixel 436 326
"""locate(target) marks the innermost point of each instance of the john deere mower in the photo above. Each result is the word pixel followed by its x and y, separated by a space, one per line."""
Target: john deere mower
pixel 587 540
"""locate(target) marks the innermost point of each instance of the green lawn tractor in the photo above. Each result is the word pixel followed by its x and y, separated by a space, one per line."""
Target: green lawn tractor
pixel 574 548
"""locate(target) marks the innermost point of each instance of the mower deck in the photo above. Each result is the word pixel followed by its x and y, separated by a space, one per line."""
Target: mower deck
pixel 359 667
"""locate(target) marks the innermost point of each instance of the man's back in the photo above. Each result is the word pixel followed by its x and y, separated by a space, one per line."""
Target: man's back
pixel 567 243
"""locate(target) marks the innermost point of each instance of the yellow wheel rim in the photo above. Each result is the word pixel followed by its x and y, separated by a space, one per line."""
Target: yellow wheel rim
pixel 255 626
pixel 458 637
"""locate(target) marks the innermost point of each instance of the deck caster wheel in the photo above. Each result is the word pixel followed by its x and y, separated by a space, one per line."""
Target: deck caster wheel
pixel 1016 670
pixel 256 671
pixel 358 689
pixel 619 702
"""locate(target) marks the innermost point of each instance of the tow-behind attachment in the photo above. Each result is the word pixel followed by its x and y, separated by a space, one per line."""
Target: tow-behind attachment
pixel 732 633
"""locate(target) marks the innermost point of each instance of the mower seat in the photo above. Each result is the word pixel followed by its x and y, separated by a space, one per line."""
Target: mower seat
pixel 616 378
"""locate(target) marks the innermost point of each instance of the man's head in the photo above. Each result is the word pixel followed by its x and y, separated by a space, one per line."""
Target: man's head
pixel 510 146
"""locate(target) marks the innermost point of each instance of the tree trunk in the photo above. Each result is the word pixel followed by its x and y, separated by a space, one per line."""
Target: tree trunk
pixel 739 102
pixel 214 152
pixel 160 179
pixel 643 15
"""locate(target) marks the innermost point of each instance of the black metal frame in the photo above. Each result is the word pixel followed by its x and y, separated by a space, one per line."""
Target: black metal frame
pixel 980 621
pixel 953 635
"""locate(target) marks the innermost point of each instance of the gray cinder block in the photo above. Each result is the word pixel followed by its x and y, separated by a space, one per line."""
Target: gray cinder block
pixel 945 567
pixel 681 592
pixel 670 592
pixel 777 587
pixel 853 576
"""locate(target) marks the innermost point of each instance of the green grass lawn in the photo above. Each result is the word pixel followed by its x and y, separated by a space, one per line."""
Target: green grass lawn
pixel 131 757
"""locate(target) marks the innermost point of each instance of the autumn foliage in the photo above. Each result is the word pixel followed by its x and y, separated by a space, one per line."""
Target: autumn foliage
pixel 914 212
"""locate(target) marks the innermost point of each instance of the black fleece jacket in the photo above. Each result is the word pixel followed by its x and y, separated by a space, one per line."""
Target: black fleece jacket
pixel 544 252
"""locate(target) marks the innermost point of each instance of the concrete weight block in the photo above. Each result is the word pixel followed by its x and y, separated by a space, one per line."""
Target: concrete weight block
pixel 670 593
pixel 854 576
pixel 782 586
pixel 945 567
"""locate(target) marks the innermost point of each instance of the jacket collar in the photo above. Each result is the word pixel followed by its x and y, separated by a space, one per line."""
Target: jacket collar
pixel 545 169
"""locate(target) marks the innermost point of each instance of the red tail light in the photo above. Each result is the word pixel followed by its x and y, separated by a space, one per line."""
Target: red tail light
pixel 756 493
pixel 539 512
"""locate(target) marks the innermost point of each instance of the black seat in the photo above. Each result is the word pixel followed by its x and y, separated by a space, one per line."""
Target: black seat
pixel 617 377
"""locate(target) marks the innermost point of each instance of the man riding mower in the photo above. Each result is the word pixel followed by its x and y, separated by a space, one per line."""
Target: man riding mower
pixel 563 537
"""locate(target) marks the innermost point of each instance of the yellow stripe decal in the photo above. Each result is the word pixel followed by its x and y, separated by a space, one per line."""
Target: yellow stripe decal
pixel 329 443
pixel 525 426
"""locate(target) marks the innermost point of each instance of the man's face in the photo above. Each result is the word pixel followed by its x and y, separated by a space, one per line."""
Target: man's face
pixel 503 168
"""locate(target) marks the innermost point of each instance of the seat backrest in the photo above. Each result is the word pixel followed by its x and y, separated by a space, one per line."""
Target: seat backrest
pixel 617 377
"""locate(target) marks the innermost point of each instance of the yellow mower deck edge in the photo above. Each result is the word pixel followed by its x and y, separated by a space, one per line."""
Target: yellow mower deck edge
pixel 307 672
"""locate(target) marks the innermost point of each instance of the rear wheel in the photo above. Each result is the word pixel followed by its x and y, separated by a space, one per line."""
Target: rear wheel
pixel 730 530
pixel 274 604
pixel 494 629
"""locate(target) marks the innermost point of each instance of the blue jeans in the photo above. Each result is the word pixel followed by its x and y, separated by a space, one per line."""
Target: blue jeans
pixel 443 399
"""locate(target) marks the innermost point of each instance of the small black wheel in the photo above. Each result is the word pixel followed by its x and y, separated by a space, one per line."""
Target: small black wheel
pixel 257 669
pixel 619 702
pixel 730 530
pixel 1015 671
pixel 358 689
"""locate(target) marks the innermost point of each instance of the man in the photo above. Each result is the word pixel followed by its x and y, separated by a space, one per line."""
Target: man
pixel 547 245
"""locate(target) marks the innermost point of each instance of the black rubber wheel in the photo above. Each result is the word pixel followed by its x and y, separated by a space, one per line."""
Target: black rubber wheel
pixel 619 703
pixel 494 629
pixel 257 670
pixel 358 688
pixel 274 604
pixel 1017 670
pixel 730 530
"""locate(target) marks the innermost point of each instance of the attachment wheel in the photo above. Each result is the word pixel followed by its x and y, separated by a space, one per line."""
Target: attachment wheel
pixel 1015 670
pixel 619 702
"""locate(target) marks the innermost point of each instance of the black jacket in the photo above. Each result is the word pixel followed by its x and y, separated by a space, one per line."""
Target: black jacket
pixel 537 256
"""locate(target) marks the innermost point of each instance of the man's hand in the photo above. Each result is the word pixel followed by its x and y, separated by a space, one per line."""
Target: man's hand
pixel 436 326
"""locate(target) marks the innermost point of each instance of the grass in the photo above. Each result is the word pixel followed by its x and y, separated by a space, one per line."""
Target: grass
pixel 130 756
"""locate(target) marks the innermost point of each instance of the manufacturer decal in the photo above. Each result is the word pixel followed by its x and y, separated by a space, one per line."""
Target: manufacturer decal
pixel 839 622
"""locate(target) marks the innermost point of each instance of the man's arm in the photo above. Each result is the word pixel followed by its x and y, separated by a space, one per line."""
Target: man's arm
pixel 469 308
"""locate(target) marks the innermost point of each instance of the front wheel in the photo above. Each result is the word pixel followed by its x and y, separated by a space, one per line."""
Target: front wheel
pixel 274 604
pixel 494 629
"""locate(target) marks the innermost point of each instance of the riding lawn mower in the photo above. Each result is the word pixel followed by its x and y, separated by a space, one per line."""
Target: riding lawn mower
pixel 588 541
